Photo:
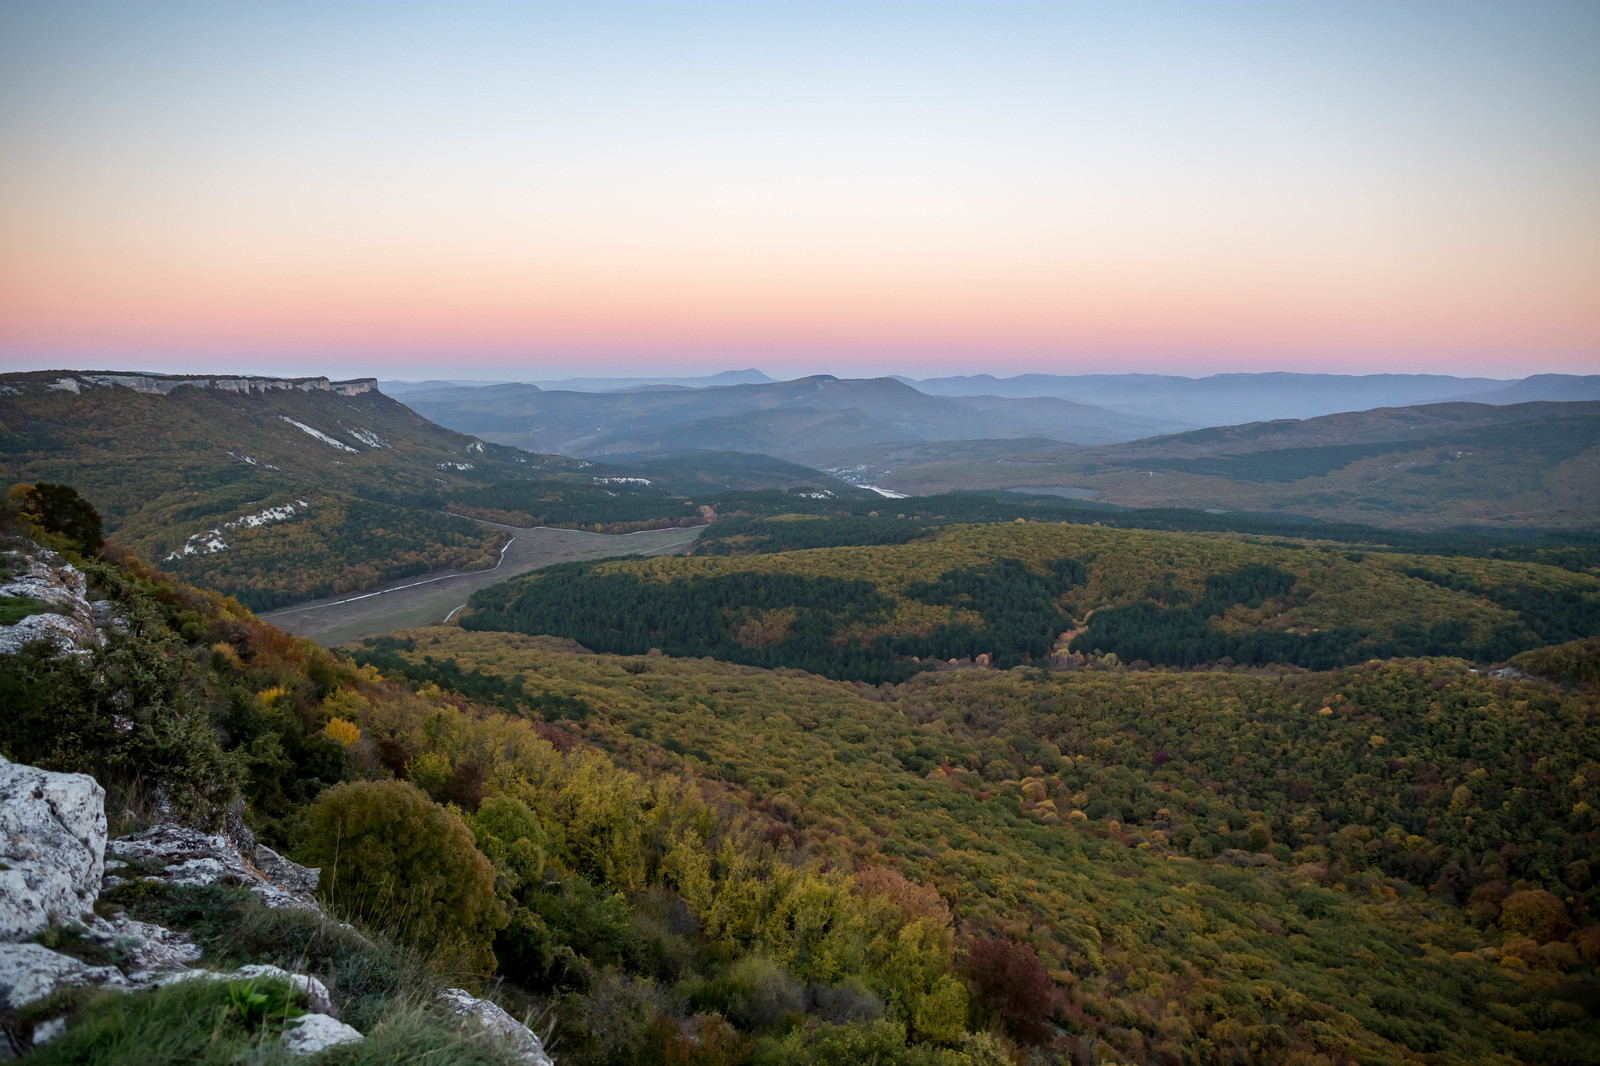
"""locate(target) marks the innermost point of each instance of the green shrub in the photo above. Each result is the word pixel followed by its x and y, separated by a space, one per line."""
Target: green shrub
pixel 189 1022
pixel 879 1042
pixel 130 711
pixel 395 859
pixel 513 839
pixel 615 1021
pixel 758 993
pixel 14 609
pixel 261 1003
pixel 59 510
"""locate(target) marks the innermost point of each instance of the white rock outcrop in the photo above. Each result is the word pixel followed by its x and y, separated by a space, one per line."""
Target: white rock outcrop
pixel 52 869
pixel 48 1030
pixel 52 848
pixel 524 1042
pixel 299 881
pixel 194 857
pixel 317 1032
pixel 147 951
pixel 46 577
pixel 162 384
pixel 30 972
pixel 316 992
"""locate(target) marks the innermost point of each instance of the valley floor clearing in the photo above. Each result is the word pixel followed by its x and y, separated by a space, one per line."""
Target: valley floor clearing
pixel 418 601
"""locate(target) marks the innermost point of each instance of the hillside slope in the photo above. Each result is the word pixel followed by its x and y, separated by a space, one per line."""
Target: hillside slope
pixel 1299 867
pixel 271 489
pixel 1430 467
pixel 682 860
pixel 1017 593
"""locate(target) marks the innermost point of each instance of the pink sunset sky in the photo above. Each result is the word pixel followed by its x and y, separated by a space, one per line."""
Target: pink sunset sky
pixel 530 190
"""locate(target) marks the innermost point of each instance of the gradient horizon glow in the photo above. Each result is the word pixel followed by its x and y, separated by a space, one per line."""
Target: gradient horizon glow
pixel 534 190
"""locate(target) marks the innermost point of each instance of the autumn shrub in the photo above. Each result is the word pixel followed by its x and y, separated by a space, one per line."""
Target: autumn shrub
pixel 1486 900
pixel 1559 955
pixel 703 1040
pixel 761 993
pixel 1588 940
pixel 465 788
pixel 1009 984
pixel 1534 913
pixel 882 1043
pixel 346 733
pixel 394 858
pixel 845 1003
pixel 616 1020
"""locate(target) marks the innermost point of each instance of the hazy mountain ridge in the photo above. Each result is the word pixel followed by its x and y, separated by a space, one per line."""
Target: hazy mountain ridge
pixel 750 376
pixel 782 419
pixel 1430 467
pixel 1226 399
pixel 1562 388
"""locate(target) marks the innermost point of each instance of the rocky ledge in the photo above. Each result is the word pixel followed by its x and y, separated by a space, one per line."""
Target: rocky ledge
pixel 72 621
pixel 162 384
pixel 53 867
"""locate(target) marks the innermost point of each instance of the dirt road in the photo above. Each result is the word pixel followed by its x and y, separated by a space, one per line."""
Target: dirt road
pixel 417 601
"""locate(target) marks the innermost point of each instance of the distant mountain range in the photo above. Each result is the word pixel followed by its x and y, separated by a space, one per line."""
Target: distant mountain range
pixel 1232 399
pixel 1561 388
pixel 727 377
pixel 1174 401
pixel 279 490
pixel 784 419
pixel 1425 467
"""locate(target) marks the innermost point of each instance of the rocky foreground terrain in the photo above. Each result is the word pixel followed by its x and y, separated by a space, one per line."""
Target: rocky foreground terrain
pixel 56 865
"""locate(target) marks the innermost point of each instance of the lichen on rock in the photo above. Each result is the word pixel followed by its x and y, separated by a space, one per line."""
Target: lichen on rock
pixel 52 848
pixel 524 1042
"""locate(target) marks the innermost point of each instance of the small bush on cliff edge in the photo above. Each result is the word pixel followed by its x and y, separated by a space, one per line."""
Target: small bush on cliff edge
pixel 59 510
pixel 395 859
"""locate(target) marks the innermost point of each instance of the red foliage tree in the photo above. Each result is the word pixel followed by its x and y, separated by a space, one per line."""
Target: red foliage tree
pixel 1008 982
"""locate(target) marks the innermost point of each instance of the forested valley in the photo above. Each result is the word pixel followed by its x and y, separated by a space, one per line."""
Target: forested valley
pixel 861 788
pixel 892 598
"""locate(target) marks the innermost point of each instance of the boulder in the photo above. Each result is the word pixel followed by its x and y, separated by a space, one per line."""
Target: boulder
pixel 194 857
pixel 316 1032
pixel 52 847
pixel 522 1041
pixel 288 875
pixel 235 831
pixel 50 579
pixel 316 993
pixel 147 951
pixel 48 1030
pixel 30 972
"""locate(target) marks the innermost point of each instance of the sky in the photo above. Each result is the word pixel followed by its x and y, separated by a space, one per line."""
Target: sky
pixel 527 190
